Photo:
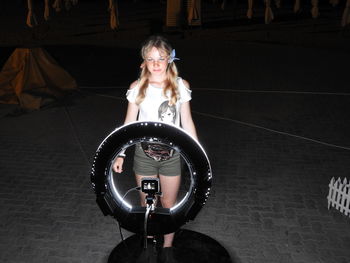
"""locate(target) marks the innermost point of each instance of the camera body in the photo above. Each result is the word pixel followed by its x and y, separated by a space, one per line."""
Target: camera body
pixel 150 186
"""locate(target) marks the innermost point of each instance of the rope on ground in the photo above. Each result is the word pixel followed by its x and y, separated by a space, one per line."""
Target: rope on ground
pixel 75 135
pixel 109 96
pixel 107 87
pixel 271 130
pixel 249 91
pixel 250 125
pixel 103 95
pixel 276 91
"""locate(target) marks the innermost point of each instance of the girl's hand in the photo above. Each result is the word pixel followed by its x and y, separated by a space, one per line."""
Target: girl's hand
pixel 118 165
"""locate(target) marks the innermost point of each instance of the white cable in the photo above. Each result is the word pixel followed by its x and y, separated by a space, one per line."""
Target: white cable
pixel 276 91
pixel 271 130
pixel 145 223
pixel 258 126
pixel 108 96
pixel 75 135
pixel 108 87
pixel 250 91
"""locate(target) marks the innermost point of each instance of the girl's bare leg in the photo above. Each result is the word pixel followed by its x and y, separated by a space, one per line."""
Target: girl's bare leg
pixel 170 187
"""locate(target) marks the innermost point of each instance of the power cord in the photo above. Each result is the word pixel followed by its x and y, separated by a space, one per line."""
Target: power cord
pixel 137 188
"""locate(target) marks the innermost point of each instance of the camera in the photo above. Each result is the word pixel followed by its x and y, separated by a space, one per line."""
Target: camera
pixel 150 186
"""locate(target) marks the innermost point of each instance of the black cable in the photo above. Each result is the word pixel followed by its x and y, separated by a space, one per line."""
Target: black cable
pixel 137 188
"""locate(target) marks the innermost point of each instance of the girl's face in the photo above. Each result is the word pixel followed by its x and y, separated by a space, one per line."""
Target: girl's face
pixel 156 62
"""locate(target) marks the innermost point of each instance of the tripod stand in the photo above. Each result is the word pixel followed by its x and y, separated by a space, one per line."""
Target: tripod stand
pixel 191 246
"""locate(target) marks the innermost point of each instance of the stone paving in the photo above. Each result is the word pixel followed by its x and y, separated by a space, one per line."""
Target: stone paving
pixel 272 117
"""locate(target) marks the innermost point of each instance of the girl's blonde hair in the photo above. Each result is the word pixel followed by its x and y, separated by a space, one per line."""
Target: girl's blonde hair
pixel 171 86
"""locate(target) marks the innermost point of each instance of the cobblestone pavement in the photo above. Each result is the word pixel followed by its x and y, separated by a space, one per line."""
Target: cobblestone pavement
pixel 273 119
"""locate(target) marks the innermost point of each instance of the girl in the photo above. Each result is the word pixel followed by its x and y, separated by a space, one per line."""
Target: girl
pixel 159 95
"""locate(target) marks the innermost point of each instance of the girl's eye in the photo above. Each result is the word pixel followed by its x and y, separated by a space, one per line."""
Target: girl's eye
pixel 152 60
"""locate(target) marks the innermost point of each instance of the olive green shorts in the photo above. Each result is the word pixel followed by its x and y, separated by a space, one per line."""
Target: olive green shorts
pixel 144 165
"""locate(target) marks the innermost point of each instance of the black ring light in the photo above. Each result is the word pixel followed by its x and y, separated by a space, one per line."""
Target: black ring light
pixel 162 220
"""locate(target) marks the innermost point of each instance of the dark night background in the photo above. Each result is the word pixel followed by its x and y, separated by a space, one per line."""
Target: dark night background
pixel 270 102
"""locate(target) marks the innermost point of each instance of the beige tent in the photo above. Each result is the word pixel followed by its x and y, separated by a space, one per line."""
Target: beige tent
pixel 32 78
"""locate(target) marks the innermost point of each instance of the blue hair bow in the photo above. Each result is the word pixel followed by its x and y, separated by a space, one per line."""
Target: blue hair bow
pixel 172 56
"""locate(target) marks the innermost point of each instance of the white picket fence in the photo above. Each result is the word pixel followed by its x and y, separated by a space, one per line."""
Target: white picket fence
pixel 339 195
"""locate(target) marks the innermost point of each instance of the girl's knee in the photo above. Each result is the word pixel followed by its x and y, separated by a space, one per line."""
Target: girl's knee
pixel 168 202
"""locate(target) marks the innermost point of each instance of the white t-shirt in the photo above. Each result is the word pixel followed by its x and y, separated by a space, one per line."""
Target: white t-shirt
pixel 155 106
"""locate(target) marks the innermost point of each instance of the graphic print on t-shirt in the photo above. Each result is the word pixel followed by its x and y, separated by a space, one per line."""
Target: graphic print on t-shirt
pixel 167 113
